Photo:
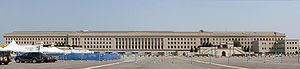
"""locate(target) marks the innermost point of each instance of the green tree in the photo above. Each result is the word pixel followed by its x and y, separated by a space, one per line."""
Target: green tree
pixel 246 49
pixel 236 43
pixel 191 49
pixel 204 44
pixel 196 50
pixel 210 45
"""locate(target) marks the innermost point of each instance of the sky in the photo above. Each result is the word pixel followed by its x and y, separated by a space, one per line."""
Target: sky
pixel 151 15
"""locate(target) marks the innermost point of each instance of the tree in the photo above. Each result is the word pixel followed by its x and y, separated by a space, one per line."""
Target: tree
pixel 204 44
pixel 196 50
pixel 207 44
pixel 236 43
pixel 191 49
pixel 210 45
pixel 246 49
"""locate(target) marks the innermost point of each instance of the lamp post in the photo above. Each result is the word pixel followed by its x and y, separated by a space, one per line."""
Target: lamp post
pixel 249 48
pixel 298 56
pixel 80 32
pixel 265 57
pixel 229 53
pixel 276 42
pixel 210 55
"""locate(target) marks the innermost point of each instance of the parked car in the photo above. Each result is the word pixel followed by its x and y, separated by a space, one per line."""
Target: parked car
pixel 5 57
pixel 52 59
pixel 34 57
pixel 278 55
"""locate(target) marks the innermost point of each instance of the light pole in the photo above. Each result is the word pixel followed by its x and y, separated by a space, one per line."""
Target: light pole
pixel 298 55
pixel 249 48
pixel 81 31
pixel 210 55
pixel 229 53
pixel 281 57
pixel 135 58
pixel 265 57
pixel 172 58
pixel 276 42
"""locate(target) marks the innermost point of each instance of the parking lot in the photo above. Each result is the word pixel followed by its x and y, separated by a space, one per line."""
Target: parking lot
pixel 167 63
pixel 67 64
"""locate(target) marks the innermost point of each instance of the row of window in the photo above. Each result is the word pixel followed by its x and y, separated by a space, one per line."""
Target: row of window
pixel 240 42
pixel 181 42
pixel 291 52
pixel 270 48
pixel 181 47
pixel 118 43
pixel 36 39
pixel 139 47
pixel 291 42
pixel 291 47
pixel 97 38
pixel 187 39
pixel 280 48
pixel 97 42
pixel 97 46
pixel 139 39
pixel 207 39
pixel 241 39
pixel 92 39
pixel 264 43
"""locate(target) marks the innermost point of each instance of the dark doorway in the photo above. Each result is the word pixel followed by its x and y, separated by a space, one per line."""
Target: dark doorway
pixel 121 53
pixel 148 54
pixel 134 53
pixel 223 53
pixel 161 53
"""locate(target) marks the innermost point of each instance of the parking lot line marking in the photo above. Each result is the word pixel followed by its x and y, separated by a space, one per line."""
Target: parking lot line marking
pixel 103 65
pixel 228 66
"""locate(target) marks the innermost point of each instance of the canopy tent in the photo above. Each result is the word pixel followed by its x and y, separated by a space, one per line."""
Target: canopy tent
pixel 13 46
pixel 51 50
pixel 34 48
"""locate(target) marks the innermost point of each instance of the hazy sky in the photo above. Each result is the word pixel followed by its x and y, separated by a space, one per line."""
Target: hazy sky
pixel 151 15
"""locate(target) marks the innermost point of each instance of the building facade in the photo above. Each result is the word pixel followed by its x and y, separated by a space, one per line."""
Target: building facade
pixel 138 40
pixel 276 47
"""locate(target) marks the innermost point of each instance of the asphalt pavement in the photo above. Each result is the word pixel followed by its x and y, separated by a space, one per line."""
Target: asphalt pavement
pixel 166 63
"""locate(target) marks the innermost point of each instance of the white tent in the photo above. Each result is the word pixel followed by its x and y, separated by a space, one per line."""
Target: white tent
pixel 34 48
pixel 13 46
pixel 51 50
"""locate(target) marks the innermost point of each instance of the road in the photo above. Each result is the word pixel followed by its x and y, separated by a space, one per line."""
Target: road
pixel 160 63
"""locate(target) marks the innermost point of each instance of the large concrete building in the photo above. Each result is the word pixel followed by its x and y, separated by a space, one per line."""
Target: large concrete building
pixel 139 40
pixel 287 47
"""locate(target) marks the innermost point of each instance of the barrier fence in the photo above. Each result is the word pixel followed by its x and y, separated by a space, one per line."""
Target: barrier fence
pixel 86 56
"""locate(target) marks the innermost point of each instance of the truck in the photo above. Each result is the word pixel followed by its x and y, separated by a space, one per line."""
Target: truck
pixel 5 57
